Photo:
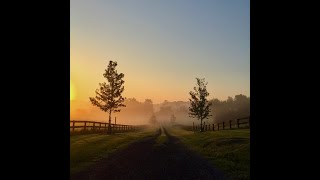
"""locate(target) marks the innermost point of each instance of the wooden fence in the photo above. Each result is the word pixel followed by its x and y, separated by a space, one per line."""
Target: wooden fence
pixel 231 124
pixel 76 126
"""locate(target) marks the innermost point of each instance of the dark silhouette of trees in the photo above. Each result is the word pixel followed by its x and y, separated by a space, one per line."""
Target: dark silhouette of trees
pixel 108 96
pixel 153 120
pixel 138 112
pixel 148 106
pixel 231 109
pixel 164 113
pixel 165 110
pixel 165 102
pixel 173 119
pixel 199 105
pixel 135 108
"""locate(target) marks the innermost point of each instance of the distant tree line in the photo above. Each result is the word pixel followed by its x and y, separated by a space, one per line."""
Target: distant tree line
pixel 221 110
pixel 230 109
pixel 135 107
pixel 110 100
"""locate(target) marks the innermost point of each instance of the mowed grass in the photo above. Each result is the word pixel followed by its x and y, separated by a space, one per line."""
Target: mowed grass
pixel 85 150
pixel 228 150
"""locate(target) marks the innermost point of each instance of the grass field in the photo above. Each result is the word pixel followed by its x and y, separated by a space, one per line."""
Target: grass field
pixel 85 150
pixel 228 150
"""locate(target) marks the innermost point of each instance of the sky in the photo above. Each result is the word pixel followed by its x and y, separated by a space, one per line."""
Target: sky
pixel 161 46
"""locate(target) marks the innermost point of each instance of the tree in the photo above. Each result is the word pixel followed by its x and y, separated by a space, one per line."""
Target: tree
pixel 108 96
pixel 199 105
pixel 153 119
pixel 148 106
pixel 165 110
pixel 173 119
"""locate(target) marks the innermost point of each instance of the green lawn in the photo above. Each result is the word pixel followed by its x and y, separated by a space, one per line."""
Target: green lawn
pixel 228 150
pixel 85 150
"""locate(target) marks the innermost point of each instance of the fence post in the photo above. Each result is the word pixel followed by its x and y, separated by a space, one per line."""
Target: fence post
pixel 230 123
pixel 212 127
pixel 238 123
pixel 73 126
pixel 223 125
pixel 85 125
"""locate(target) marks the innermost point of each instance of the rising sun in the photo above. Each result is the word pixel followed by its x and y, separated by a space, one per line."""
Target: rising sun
pixel 72 91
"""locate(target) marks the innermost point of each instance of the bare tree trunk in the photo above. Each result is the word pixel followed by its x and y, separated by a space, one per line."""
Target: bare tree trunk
pixel 201 128
pixel 109 125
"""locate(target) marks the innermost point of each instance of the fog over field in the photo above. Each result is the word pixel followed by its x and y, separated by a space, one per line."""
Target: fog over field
pixel 137 112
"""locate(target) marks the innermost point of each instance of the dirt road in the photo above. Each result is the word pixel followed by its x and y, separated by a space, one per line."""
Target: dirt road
pixel 152 159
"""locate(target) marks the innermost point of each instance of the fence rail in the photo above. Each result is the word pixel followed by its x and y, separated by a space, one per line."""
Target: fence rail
pixel 76 126
pixel 231 124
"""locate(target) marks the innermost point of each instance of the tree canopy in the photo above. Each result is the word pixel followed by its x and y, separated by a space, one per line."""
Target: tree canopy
pixel 108 97
pixel 199 105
